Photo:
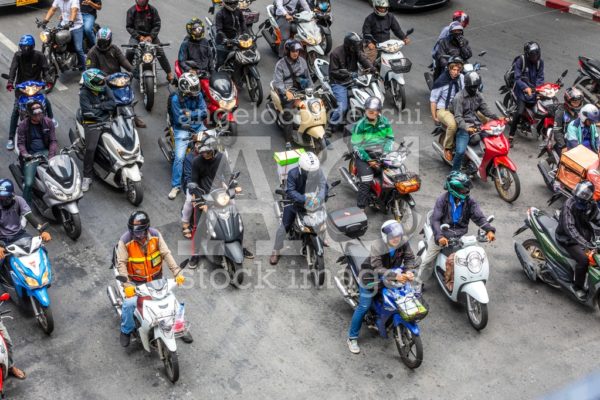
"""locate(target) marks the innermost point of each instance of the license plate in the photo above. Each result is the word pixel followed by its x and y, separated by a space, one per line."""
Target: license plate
pixel 21 3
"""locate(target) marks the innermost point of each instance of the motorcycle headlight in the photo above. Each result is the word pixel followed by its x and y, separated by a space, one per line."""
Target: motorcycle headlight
pixel 245 44
pixel 32 283
pixel 222 199
pixel 59 194
pixel 315 107
pixel 226 104
pixel 44 36
pixel 147 58
pixel 475 262
pixel 45 278
pixel 31 90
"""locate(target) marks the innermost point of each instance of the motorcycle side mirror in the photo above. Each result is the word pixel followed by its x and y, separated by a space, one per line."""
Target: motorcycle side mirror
pixel 335 183
pixel 121 278
pixel 235 175
pixel 4 297
pixel 565 72
pixel 5 76
pixel 490 218
pixel 410 31
pixel 184 263
pixel 483 53
pixel 280 192
pixel 445 227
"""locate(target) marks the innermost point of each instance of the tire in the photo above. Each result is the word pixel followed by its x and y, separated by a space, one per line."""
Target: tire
pixel 45 319
pixel 148 92
pixel 321 149
pixel 71 224
pixel 354 115
pixel 310 60
pixel 317 268
pixel 236 273
pixel 165 149
pixel 409 347
pixel 534 249
pixel 503 189
pixel 507 101
pixel 328 43
pixel 171 363
pixel 477 313
pixel 135 192
pixel 255 90
pixel 229 135
pixel 399 208
pixel 398 95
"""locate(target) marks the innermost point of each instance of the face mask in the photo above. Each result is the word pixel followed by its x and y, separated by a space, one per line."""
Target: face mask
pixel 140 235
pixel 7 202
pixel 582 205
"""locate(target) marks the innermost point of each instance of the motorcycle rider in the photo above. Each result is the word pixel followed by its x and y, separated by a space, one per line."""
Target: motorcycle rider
pixel 229 24
pixel 186 178
pixel 195 48
pixel 343 64
pixel 109 59
pixel 528 73
pixel 380 23
pixel 391 251
pixel 583 130
pixel 140 255
pixel 469 110
pixel 371 130
pixel 459 16
pixel 36 135
pixel 143 24
pixel 455 208
pixel 89 13
pixel 307 177
pixel 454 45
pixel 28 64
pixel 187 110
pixel 564 114
pixel 97 104
pixel 70 16
pixel 284 11
pixel 291 73
pixel 444 89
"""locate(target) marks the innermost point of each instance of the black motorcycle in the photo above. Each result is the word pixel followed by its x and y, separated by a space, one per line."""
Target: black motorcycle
pixel 250 17
pixel 588 80
pixel 242 65
pixel 324 17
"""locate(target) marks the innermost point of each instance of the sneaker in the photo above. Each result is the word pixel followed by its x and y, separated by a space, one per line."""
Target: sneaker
pixel 187 337
pixel 448 155
pixel 173 193
pixel 353 346
pixel 247 253
pixel 85 184
pixel 125 339
pixel 194 261
pixel 10 145
pixel 274 258
pixel 580 293
pixel 139 123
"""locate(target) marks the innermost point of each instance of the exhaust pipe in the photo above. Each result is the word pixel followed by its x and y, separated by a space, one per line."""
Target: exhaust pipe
pixel 344 292
pixel 348 178
pixel 113 299
pixel 543 168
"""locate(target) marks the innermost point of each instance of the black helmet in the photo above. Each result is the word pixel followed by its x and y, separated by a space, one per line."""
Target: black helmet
pixel 231 5
pixel 458 184
pixel 373 103
pixel 532 51
pixel 456 60
pixel 584 191
pixel 572 95
pixel 352 42
pixel 34 108
pixel 7 193
pixel 291 44
pixel 472 83
pixel 139 223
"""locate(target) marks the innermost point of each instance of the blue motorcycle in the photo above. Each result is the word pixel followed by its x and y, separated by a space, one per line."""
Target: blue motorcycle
pixel 26 276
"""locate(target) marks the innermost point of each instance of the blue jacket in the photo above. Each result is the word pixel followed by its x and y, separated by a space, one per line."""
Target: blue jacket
pixel 296 186
pixel 530 76
pixel 574 136
pixel 186 177
pixel 191 111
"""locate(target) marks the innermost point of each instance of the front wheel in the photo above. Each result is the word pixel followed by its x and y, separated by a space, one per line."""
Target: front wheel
pixel 235 271
pixel 316 266
pixel 507 184
pixel 72 224
pixel 477 313
pixel 135 192
pixel 165 148
pixel 148 92
pixel 404 214
pixel 409 347
pixel 43 316
pixel 398 95
pixel 255 90
pixel 171 362
pixel 229 131
pixel 321 149
pixel 328 43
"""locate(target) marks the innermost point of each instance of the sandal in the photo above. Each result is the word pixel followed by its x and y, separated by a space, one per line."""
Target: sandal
pixel 17 373
pixel 186 231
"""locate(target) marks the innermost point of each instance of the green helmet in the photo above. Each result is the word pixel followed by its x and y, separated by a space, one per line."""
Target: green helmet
pixel 94 79
pixel 459 185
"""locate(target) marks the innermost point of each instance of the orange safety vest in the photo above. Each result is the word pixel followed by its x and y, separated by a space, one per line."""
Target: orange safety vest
pixel 143 266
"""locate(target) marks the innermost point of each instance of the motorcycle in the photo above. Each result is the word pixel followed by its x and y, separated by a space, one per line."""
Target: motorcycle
pixel 543 258
pixel 393 66
pixel 159 318
pixel 221 229
pixel 324 18
pixel 26 276
pixel 166 143
pixel 56 189
pixel 250 17
pixel 118 160
pixel 4 363
pixel 392 185
pixel 487 156
pixel 309 120
pixel 242 63
pixel 144 62
pixel 588 80
pixel 467 67
pixel 471 271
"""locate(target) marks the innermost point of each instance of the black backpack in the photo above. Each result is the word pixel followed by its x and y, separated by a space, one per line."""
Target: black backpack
pixel 509 76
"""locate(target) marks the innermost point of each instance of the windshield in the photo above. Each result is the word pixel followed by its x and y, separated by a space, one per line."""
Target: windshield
pixel 122 131
pixel 61 168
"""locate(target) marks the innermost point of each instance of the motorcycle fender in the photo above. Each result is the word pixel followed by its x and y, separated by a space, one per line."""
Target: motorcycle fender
pixel 316 49
pixel 507 162
pixel 317 245
pixel 477 291
pixel 168 341
pixel 326 30
pixel 393 76
pixel 316 131
pixel 526 261
pixel 409 199
pixel 413 328
pixel 147 72
pixel 131 173
pixel 71 208
pixel 234 252
pixel 254 72
pixel 144 338
pixel 41 295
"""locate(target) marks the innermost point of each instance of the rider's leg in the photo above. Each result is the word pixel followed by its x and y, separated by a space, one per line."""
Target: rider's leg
pixel 447 119
pixel 516 119
pixel 163 60
pixel 364 303
pixel 462 141
pixel 284 28
pixel 77 35
pixel 341 95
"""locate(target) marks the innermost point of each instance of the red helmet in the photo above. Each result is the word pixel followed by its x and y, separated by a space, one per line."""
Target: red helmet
pixel 462 17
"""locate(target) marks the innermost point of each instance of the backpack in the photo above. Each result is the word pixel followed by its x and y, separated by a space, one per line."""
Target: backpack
pixel 509 76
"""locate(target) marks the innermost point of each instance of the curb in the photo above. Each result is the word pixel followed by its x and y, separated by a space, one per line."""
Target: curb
pixel 571 8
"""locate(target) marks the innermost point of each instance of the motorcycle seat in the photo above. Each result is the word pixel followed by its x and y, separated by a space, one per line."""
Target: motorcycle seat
pixel 594 63
pixel 549 226
pixel 358 253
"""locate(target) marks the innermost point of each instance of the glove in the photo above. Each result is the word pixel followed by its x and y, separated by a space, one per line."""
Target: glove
pixel 2 252
pixel 129 291
pixel 27 157
pixel 461 41
pixel 10 87
pixel 490 236
pixel 179 279
pixel 46 236
pixel 443 242
pixel 70 24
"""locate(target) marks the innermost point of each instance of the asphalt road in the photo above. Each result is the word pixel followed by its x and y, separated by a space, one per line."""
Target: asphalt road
pixel 281 338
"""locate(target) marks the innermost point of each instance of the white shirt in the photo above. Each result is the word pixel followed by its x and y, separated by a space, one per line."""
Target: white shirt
pixel 65 7
pixel 288 6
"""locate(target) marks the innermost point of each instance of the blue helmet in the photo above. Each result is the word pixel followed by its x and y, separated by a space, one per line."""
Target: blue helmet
pixel 27 44
pixel 7 189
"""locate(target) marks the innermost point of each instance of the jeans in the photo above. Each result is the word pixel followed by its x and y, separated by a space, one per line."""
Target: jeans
pixel 77 37
pixel 29 171
pixel 127 318
pixel 364 303
pixel 462 141
pixel 182 138
pixel 92 137
pixel 88 28
pixel 340 93
pixel 289 214
pixel 9 343
pixel 14 117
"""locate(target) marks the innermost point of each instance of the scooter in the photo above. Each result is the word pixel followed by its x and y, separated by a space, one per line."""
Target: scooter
pixel 309 34
pixel 467 67
pixel 324 18
pixel 543 258
pixel 221 229
pixel 26 276
pixel 242 64
pixel 4 363
pixel 393 66
pixel 471 271
pixel 56 189
pixel 588 80
pixel 487 156
pixel 159 318
pixel 119 158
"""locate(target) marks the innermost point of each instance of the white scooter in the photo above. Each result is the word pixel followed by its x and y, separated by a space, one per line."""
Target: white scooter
pixel 3 349
pixel 471 271
pixel 393 66
pixel 159 317
pixel 309 34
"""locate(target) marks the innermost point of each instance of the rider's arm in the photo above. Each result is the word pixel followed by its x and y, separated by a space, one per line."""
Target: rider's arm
pixel 540 74
pixel 50 13
pixel 572 135
pixel 22 138
pixel 278 77
pixel 130 24
pixel 74 11
pixel 572 227
pixel 182 56
pixel 465 50
pixel 335 65
pixel 291 190
pixel 242 21
pixel 281 10
pixel 365 62
pixel 305 6
pixel 559 127
pixel 437 215
pixel 388 134
pixel 366 28
pixel 409 256
pixel 518 67
pixel 155 26
pixel 25 211
pixel 457 110
pixel 395 26
pixel 14 65
pixel 122 259
pixel 52 142
pixel 485 110
pixel 109 103
pixel 477 215
pixel 167 256
pixel 123 61
pixel 357 143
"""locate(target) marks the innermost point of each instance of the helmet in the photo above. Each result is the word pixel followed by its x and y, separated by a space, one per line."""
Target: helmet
pixel 309 162
pixel 195 28
pixel 141 3
pixel 461 17
pixel 7 193
pixel 208 145
pixel 27 44
pixel 104 39
pixel 455 60
pixel 291 44
pixel 94 79
pixel 324 5
pixel 373 103
pixel 458 184
pixel 392 229
pixel 381 7
pixel 532 51
pixel 472 82
pixel 584 191
pixel 138 224
pixel 352 42
pixel 231 5
pixel 589 112
pixel 34 108
pixel 189 84
pixel 573 94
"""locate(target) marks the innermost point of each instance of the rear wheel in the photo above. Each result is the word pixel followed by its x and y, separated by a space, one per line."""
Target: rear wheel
pixel 43 316
pixel 477 313
pixel 316 266
pixel 71 224
pixel 328 42
pixel 398 95
pixel 171 362
pixel 310 60
pixel 537 255
pixel 255 90
pixel 507 183
pixel 354 115
pixel 508 101
pixel 135 192
pixel 148 92
pixel 229 132
pixel 409 347
pixel 165 148
pixel 404 214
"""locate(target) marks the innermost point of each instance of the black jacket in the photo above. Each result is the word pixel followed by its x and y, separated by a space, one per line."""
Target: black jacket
pixel 465 108
pixel 341 59
pixel 229 24
pixel 143 23
pixel 210 174
pixel 110 61
pixel 297 186
pixel 449 47
pixel 561 120
pixel 101 105
pixel 196 51
pixel 378 28
pixel 442 214
pixel 575 225
pixel 23 69
pixel 380 262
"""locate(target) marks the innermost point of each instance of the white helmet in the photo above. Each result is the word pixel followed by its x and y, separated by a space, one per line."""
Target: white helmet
pixel 589 111
pixel 189 84
pixel 309 162
pixel 391 229
pixel 381 4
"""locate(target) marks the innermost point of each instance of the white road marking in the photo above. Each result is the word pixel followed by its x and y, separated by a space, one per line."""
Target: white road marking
pixel 13 47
